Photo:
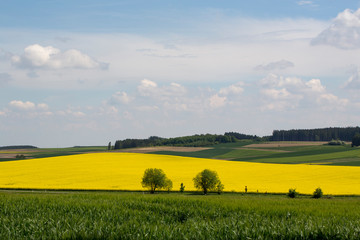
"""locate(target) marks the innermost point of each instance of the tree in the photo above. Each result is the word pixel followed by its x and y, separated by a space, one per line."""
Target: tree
pixel 168 185
pixel 318 193
pixel 356 140
pixel 207 180
pixel 109 146
pixel 182 187
pixel 154 178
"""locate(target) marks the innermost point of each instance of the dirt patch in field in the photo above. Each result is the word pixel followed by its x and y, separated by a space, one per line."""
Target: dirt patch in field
pixel 162 148
pixel 284 144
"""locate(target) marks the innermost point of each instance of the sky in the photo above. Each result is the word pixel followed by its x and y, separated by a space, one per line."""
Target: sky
pixel 76 73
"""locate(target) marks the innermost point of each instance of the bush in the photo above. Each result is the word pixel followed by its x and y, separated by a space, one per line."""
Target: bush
pixel 318 193
pixel 292 193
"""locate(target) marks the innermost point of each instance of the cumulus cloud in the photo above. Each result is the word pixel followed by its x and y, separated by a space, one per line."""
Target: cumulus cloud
pixel 279 65
pixel 234 89
pixel 216 101
pixel 280 93
pixel 151 89
pixel 120 97
pixel 20 105
pixel 344 33
pixel 37 56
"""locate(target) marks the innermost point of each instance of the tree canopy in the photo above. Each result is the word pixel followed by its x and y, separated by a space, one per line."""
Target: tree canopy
pixel 155 178
pixel 208 180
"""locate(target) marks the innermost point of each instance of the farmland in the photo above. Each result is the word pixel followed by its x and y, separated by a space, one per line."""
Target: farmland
pixel 101 215
pixel 123 171
pixel 113 205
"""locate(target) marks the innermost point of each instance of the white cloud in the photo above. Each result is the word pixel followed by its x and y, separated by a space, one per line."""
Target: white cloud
pixel 282 64
pixel 280 93
pixel 37 56
pixel 344 33
pixel 216 101
pixel 20 105
pixel 234 89
pixel 120 97
pixel 307 3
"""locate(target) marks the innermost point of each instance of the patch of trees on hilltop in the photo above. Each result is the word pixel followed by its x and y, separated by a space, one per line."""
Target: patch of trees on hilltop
pixel 319 134
pixel 17 147
pixel 201 140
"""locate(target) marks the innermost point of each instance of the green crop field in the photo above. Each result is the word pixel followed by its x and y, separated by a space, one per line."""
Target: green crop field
pixel 101 215
pixel 309 154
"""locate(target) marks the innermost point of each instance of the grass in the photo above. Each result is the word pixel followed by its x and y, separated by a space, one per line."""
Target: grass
pixel 175 216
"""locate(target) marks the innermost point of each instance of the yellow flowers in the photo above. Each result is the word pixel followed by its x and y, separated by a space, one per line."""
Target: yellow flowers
pixel 123 171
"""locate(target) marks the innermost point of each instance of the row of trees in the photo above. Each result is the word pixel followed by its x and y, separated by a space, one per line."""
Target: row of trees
pixel 205 181
pixel 187 141
pixel 319 134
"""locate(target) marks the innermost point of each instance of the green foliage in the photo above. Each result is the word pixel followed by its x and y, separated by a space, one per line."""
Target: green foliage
pixel 174 216
pixel 292 193
pixel 155 178
pixel 336 142
pixel 319 134
pixel 356 140
pixel 219 188
pixel 318 193
pixel 20 156
pixel 207 180
pixel 168 184
pixel 182 187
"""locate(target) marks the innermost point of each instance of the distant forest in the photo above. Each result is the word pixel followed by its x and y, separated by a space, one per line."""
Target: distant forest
pixel 319 134
pixel 188 141
pixel 202 140
pixel 17 147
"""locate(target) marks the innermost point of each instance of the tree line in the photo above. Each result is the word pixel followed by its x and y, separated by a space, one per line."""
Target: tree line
pixel 319 134
pixel 198 140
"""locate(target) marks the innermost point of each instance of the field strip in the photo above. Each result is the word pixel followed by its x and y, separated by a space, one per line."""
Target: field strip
pixel 162 148
pixel 284 144
pixel 123 171
pixel 262 149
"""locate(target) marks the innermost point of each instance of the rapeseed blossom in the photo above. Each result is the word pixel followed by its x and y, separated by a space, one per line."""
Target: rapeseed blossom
pixel 123 171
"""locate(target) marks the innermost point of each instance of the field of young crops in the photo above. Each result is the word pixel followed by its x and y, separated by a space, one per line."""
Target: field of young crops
pixel 65 215
pixel 123 171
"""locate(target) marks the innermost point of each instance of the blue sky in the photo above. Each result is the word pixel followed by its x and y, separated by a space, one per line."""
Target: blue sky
pixel 90 72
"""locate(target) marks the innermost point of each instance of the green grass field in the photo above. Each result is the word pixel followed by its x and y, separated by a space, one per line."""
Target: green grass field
pixel 316 154
pixel 101 215
pixel 311 154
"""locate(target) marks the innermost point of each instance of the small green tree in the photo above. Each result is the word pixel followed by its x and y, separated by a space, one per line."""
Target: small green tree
pixel 219 188
pixel 168 184
pixel 153 179
pixel 182 187
pixel 318 193
pixel 292 193
pixel 109 146
pixel 207 180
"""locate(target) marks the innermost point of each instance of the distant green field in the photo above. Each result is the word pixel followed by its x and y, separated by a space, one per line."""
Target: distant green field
pixel 101 215
pixel 48 152
pixel 312 154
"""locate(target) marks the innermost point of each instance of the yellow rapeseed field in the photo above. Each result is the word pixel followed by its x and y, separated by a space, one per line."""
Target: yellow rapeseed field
pixel 124 171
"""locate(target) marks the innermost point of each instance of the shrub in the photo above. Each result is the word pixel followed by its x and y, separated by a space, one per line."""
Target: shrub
pixel 318 193
pixel 292 193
